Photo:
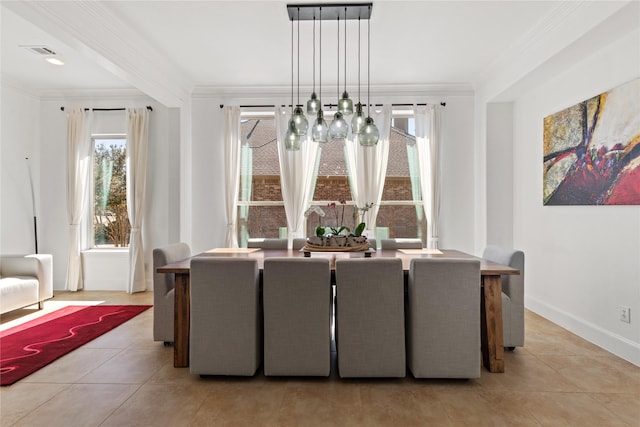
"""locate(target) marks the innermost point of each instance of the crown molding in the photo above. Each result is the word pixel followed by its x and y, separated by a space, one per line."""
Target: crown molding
pixel 8 82
pixel 284 92
pixel 92 95
pixel 565 23
pixel 546 29
pixel 96 32
pixel 73 94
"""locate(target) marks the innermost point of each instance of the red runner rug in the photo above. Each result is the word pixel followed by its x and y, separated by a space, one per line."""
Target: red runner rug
pixel 28 347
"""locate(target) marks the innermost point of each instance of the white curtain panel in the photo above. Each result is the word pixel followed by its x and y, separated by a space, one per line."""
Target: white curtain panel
pixel 367 168
pixel 232 171
pixel 428 146
pixel 297 176
pixel 137 142
pixel 78 178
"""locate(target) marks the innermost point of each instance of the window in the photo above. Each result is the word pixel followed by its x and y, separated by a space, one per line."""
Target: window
pixel 110 222
pixel 401 212
pixel 260 207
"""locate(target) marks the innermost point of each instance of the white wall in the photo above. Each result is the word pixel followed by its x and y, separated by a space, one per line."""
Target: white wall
pixel 499 174
pixel 40 127
pixel 457 169
pixel 19 140
pixel 582 262
pixel 208 218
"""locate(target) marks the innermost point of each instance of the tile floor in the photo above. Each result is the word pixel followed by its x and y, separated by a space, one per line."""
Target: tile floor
pixel 125 379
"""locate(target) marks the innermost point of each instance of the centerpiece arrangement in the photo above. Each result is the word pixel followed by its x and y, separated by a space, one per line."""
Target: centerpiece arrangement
pixel 339 237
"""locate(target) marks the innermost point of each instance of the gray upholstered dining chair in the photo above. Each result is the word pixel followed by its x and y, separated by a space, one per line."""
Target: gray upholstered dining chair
pixel 297 316
pixel 512 294
pixel 372 244
pixel 298 243
pixel 401 244
pixel 443 318
pixel 226 318
pixel 163 290
pixel 267 243
pixel 370 333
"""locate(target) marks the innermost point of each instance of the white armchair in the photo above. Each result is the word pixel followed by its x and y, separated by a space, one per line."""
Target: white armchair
pixel 25 280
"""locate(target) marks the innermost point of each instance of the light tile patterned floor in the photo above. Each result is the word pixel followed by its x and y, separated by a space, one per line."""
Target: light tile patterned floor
pixel 125 379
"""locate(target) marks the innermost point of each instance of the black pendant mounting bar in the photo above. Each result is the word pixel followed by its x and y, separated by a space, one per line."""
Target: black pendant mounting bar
pixel 330 11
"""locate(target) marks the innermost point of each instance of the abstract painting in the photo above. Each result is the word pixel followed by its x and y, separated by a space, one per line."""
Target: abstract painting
pixel 591 150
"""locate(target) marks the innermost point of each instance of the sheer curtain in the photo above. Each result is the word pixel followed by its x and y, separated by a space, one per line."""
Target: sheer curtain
pixel 232 171
pixel 78 179
pixel 428 146
pixel 137 141
pixel 297 176
pixel 367 168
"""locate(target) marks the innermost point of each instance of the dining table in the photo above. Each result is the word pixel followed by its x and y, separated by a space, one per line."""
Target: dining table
pixel 492 346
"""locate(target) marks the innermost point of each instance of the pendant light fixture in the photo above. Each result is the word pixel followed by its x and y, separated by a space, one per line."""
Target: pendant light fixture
pixel 358 121
pixel 291 137
pixel 314 104
pixel 345 105
pixel 339 127
pixel 370 134
pixel 320 131
pixel 298 115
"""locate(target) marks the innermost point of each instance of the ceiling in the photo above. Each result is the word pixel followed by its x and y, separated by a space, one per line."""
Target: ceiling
pixel 216 44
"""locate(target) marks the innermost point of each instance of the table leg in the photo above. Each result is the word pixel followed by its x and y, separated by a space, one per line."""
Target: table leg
pixel 491 330
pixel 181 322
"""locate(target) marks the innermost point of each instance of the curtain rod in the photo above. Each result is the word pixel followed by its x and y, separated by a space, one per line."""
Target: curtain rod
pixel 108 109
pixel 444 104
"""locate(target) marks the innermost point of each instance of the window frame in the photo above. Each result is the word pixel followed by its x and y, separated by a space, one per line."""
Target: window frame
pixel 252 113
pixel 91 205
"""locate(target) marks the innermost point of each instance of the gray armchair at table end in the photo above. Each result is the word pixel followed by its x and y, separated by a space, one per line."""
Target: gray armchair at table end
pixel 163 291
pixel 512 294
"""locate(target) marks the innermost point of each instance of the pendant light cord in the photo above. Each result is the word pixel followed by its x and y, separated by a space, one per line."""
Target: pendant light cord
pixel 314 53
pixel 338 85
pixel 320 57
pixel 345 49
pixel 359 60
pixel 292 65
pixel 369 64
pixel 298 56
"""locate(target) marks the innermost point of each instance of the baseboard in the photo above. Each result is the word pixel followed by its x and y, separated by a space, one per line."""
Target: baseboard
pixel 613 343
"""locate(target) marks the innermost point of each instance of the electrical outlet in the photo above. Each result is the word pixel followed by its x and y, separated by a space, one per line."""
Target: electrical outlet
pixel 625 314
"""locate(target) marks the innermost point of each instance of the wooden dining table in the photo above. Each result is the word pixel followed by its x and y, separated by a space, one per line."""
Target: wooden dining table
pixel 490 303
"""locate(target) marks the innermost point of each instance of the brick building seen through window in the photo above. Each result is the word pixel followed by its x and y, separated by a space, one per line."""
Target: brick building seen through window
pixel 261 211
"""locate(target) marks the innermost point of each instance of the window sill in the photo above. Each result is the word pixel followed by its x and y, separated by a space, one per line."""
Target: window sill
pixel 106 250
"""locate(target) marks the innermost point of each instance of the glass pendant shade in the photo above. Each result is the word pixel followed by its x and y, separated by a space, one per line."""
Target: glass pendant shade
pixel 358 121
pixel 291 138
pixel 345 105
pixel 320 130
pixel 370 134
pixel 300 122
pixel 339 127
pixel 313 104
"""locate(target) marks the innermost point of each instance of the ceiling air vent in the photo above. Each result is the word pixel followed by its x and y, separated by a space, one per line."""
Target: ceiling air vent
pixel 40 50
